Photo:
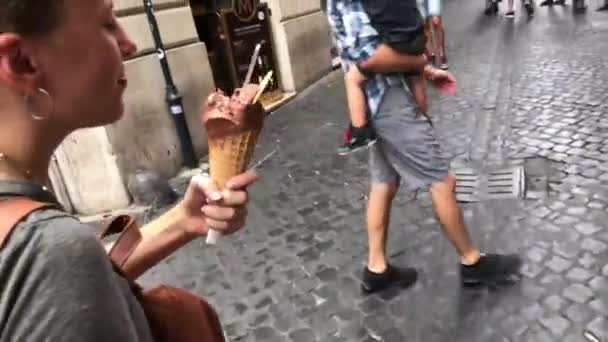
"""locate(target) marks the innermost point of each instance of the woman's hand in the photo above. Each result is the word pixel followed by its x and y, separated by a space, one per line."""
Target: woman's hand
pixel 205 207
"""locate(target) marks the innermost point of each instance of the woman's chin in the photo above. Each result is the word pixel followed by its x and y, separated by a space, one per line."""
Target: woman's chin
pixel 109 117
pixel 118 113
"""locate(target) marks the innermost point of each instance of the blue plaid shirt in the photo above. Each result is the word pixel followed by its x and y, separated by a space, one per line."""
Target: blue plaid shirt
pixel 357 40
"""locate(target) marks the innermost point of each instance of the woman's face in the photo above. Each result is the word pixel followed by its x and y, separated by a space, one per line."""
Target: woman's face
pixel 80 64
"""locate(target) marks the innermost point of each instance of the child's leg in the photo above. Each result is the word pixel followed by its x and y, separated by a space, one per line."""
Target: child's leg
pixel 361 133
pixel 356 97
pixel 418 89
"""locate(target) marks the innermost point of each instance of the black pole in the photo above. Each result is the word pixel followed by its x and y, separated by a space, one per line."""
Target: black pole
pixel 172 96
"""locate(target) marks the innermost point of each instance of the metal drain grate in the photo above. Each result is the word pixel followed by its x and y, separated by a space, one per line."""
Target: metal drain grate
pixel 473 186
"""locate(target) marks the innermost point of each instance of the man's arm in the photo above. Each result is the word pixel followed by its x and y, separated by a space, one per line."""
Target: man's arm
pixel 386 60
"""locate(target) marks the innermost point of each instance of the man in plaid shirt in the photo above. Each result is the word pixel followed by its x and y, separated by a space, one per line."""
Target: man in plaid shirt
pixel 407 153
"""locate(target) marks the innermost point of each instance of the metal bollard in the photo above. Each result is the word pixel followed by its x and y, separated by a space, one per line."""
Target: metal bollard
pixel 172 96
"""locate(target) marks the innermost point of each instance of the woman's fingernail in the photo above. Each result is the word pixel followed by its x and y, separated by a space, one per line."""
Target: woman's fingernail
pixel 215 196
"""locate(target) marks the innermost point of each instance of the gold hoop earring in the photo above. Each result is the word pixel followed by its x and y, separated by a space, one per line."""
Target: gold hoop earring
pixel 37 116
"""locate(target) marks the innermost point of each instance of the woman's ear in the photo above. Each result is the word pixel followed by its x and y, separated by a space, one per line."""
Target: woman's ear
pixel 17 70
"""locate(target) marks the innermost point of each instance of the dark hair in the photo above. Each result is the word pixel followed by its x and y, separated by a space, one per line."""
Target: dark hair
pixel 29 17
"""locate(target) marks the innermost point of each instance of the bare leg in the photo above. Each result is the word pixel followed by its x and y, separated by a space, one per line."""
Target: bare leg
pixel 510 6
pixel 356 97
pixel 387 60
pixel 378 217
pixel 438 27
pixel 430 48
pixel 450 216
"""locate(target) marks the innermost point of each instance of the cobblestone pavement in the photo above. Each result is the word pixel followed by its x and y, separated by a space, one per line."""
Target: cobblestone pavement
pixel 527 89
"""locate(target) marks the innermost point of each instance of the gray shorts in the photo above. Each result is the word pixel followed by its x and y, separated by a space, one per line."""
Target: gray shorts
pixel 407 150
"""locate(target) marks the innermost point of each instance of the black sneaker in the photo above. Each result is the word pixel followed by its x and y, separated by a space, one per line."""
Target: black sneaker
pixel 510 15
pixel 393 276
pixel 358 138
pixel 492 269
pixel 547 3
pixel 492 8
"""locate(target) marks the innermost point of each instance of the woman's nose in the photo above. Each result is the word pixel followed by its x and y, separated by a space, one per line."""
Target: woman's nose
pixel 128 48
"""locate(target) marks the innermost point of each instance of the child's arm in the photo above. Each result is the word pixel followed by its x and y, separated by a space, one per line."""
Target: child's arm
pixel 357 105
pixel 387 60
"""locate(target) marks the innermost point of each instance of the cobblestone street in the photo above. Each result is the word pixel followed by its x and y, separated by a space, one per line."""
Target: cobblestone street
pixel 527 88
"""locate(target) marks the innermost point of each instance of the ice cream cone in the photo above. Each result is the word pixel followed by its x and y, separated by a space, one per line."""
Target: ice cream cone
pixel 233 126
pixel 230 155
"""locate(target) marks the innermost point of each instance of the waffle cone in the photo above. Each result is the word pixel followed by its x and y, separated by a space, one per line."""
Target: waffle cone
pixel 230 155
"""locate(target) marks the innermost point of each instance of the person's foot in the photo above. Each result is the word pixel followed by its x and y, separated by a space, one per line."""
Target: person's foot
pixel 392 276
pixel 444 63
pixel 357 139
pixel 492 269
pixel 510 15
pixel 560 2
pixel 547 3
pixel 492 8
pixel 529 8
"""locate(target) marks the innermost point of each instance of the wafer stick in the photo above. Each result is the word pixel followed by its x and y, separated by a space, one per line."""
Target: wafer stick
pixel 263 85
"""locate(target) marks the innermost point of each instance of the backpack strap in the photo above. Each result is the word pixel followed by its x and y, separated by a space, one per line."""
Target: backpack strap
pixel 128 240
pixel 13 211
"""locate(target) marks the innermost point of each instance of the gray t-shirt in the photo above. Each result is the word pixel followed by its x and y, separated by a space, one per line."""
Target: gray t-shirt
pixel 57 284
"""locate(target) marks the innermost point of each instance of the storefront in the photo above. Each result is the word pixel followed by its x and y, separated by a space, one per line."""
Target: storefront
pixel 231 30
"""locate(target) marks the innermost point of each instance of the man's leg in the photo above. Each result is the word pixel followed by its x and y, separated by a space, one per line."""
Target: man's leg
pixel 450 217
pixel 476 268
pixel 379 273
pixel 510 9
pixel 378 217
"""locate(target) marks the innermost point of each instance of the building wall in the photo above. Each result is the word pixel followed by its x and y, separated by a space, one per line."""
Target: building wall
pixel 302 40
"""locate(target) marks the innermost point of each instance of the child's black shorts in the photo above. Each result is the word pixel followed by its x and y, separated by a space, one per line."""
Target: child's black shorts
pixel 399 24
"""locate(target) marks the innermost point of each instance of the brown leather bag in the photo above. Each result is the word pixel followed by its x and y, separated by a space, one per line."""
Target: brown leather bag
pixel 174 315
